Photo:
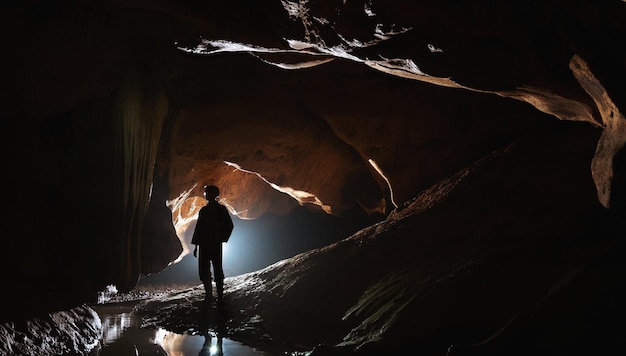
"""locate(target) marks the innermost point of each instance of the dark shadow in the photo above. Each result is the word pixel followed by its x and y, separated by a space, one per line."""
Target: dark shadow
pixel 212 326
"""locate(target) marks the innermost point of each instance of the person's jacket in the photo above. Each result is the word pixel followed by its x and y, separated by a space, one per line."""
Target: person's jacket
pixel 214 225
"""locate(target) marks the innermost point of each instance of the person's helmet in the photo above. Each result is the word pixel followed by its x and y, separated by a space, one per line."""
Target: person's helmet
pixel 211 190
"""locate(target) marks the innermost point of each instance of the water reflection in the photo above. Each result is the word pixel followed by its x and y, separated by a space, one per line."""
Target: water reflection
pixel 123 335
pixel 201 345
pixel 210 349
pixel 113 326
pixel 208 318
pixel 211 324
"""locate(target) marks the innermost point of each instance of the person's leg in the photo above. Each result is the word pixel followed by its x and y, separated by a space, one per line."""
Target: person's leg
pixel 218 271
pixel 204 271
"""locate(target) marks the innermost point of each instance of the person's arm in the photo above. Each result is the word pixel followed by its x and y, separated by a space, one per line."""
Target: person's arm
pixel 195 239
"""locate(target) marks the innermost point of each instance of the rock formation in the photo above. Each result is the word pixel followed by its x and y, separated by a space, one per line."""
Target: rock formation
pixel 116 112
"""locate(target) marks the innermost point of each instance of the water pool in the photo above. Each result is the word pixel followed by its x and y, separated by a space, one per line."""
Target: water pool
pixel 123 336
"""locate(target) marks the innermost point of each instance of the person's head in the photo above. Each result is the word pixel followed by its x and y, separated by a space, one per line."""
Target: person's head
pixel 211 192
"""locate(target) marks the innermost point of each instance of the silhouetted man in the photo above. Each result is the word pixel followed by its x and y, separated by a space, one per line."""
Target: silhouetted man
pixel 214 226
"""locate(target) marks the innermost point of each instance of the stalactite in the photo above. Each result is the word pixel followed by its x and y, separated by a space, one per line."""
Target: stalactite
pixel 139 121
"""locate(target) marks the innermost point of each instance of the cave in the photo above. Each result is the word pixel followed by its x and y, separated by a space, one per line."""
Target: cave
pixel 442 176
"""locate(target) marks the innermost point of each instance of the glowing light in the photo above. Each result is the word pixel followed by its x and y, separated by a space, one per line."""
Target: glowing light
pixel 299 195
pixel 380 171
pixel 159 336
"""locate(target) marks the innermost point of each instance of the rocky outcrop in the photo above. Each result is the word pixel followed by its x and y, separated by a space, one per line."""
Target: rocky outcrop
pixel 512 255
pixel 72 332
pixel 118 110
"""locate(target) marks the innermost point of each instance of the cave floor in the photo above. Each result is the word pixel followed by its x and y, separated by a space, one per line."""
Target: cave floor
pixel 196 328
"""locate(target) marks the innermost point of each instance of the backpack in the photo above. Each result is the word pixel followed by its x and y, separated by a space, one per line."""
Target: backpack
pixel 226 223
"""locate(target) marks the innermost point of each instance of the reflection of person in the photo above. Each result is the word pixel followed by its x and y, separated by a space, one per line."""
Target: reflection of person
pixel 211 324
pixel 213 227
pixel 209 349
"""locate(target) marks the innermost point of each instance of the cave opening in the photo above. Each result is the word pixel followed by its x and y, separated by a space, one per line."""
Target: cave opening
pixel 258 243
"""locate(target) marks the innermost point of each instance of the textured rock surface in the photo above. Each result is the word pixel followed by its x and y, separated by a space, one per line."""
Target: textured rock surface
pixel 72 332
pixel 117 111
pixel 487 262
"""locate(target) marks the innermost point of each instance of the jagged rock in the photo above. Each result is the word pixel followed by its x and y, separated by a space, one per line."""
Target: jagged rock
pixel 71 332
pixel 116 111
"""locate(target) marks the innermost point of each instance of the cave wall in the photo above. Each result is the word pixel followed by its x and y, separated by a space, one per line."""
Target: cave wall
pixel 114 109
